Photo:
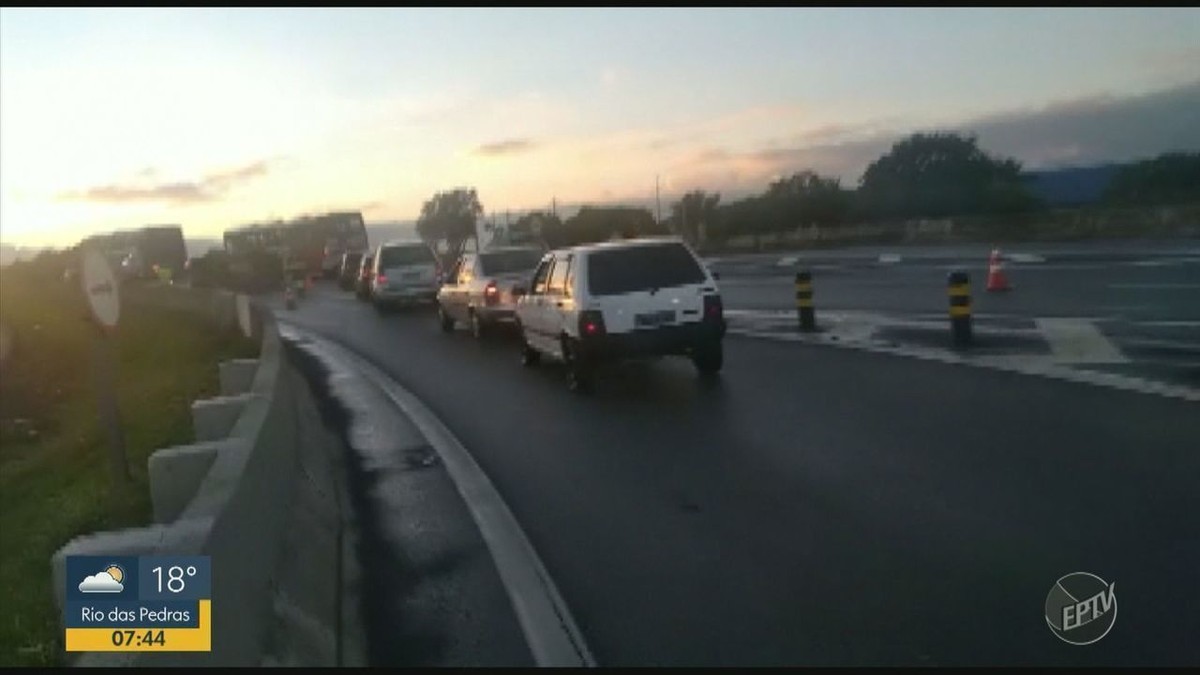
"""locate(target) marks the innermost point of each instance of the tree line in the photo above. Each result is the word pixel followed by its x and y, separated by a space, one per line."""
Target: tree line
pixel 926 175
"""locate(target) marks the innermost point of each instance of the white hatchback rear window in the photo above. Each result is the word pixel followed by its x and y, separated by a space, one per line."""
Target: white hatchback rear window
pixel 642 268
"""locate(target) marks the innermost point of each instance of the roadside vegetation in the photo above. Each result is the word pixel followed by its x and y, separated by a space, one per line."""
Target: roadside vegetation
pixel 923 178
pixel 54 474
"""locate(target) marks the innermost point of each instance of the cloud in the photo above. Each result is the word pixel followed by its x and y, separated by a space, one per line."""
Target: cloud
pixel 1075 132
pixel 1096 129
pixel 510 146
pixel 208 188
pixel 100 583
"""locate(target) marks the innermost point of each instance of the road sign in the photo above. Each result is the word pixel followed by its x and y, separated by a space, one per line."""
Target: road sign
pixel 100 287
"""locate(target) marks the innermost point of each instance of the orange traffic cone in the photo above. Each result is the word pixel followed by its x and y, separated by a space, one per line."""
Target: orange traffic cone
pixel 996 279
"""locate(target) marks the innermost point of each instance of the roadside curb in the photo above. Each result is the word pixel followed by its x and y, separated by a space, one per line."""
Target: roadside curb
pixel 552 636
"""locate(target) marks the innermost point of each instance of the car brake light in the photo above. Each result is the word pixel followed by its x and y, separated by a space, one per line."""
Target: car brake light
pixel 591 323
pixel 713 309
pixel 381 278
pixel 491 294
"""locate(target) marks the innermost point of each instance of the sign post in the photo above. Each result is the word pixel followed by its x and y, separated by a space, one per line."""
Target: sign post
pixel 102 293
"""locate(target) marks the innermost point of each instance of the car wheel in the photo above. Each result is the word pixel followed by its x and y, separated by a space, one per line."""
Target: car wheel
pixel 580 373
pixel 478 327
pixel 445 319
pixel 709 358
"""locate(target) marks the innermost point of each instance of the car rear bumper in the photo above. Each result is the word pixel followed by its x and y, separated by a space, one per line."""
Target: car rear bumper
pixel 405 293
pixel 505 313
pixel 663 341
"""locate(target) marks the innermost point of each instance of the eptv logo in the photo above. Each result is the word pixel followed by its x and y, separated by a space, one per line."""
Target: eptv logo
pixel 1081 608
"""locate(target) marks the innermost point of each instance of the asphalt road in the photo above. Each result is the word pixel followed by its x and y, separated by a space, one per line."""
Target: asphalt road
pixel 821 506
pixel 1137 286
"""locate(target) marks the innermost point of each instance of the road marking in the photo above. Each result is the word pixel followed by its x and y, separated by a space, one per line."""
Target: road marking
pixel 889 258
pixel 1152 263
pixel 1168 324
pixel 787 261
pixel 1075 341
pixel 1025 258
pixel 1039 366
pixel 1156 287
pixel 552 634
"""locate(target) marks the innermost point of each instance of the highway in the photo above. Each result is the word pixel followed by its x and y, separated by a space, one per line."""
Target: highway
pixel 1139 301
pixel 819 506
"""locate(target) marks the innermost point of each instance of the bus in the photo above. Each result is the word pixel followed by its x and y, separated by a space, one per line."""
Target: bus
pixel 334 234
pixel 305 247
pixel 144 253
pixel 255 257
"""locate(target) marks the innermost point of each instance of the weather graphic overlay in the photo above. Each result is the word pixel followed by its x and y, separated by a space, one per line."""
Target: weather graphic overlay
pixel 138 604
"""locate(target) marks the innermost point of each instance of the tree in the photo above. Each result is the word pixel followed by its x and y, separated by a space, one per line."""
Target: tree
pixel 745 216
pixel 594 224
pixel 537 226
pixel 695 208
pixel 805 198
pixel 942 174
pixel 450 218
pixel 1171 178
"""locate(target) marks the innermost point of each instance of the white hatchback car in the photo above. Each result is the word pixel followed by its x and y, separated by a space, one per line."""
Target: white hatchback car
pixel 621 299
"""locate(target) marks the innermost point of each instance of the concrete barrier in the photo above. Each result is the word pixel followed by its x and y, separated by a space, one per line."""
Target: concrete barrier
pixel 237 376
pixel 176 475
pixel 258 494
pixel 213 418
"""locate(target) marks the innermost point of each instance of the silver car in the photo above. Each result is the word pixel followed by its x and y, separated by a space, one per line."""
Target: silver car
pixel 482 288
pixel 405 272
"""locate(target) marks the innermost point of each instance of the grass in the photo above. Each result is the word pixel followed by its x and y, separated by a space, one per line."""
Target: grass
pixel 54 473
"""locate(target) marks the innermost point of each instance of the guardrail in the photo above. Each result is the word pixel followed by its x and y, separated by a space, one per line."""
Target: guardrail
pixel 237 494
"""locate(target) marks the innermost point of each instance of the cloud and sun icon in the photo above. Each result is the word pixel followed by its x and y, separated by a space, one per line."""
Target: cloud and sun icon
pixel 107 580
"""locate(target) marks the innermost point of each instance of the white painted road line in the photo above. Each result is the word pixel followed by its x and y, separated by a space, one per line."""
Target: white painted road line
pixel 553 637
pixel 787 261
pixel 1168 324
pixel 1075 341
pixel 1040 366
pixel 889 258
pixel 1157 287
pixel 1025 258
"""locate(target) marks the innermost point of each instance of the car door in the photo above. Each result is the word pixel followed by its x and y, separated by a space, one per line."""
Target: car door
pixel 532 308
pixel 462 286
pixel 558 303
pixel 446 292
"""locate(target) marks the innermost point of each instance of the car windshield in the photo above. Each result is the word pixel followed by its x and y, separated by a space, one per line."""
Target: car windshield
pixel 641 268
pixel 399 256
pixel 504 262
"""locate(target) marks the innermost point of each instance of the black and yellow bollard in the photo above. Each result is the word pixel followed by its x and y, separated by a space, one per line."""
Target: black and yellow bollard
pixel 959 288
pixel 804 301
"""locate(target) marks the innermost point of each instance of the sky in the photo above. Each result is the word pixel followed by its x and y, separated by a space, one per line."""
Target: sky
pixel 211 118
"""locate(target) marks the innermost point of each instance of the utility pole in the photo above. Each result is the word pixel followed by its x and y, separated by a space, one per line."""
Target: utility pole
pixel 657 202
pixel 554 206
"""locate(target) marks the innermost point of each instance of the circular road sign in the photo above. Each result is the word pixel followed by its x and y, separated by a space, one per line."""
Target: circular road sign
pixel 100 287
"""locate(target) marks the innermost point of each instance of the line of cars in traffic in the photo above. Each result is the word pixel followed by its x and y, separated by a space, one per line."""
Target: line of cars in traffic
pixel 584 305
